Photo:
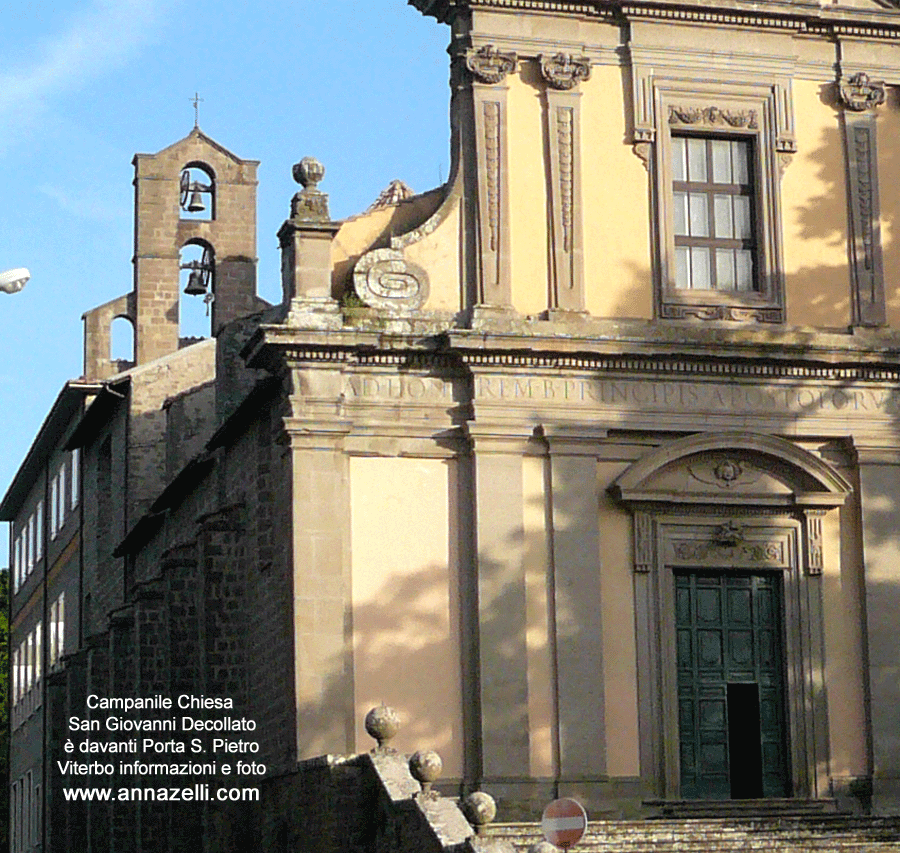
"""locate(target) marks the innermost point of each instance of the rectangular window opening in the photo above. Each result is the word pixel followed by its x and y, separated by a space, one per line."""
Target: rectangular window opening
pixel 714 224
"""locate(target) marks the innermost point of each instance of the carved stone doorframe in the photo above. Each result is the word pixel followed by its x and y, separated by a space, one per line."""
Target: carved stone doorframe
pixel 742 530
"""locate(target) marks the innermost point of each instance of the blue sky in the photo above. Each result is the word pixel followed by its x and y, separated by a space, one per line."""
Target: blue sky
pixel 86 84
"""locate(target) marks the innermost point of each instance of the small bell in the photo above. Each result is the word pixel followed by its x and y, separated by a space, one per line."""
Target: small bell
pixel 195 285
pixel 196 205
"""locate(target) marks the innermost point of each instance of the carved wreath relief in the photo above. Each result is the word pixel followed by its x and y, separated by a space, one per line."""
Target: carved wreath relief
pixel 385 280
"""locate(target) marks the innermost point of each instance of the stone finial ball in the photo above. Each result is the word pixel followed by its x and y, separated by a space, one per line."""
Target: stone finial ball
pixel 543 847
pixel 308 172
pixel 382 723
pixel 479 808
pixel 426 766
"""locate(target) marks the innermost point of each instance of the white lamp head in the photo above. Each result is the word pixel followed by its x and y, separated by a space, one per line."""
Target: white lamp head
pixel 12 281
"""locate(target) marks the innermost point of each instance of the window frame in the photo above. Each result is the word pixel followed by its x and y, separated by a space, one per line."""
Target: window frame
pixel 724 111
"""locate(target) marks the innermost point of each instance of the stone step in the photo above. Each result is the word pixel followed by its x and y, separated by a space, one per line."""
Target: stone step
pixel 783 834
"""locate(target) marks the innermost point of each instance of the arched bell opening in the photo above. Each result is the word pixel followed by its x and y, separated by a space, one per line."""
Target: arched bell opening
pixel 121 342
pixel 197 291
pixel 197 192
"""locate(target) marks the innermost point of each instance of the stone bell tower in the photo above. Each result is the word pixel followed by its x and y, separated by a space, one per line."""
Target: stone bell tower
pixel 195 193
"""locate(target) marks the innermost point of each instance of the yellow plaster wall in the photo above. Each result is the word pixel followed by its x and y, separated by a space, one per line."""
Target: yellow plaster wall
pixel 619 646
pixel 616 203
pixel 889 180
pixel 813 198
pixel 439 255
pixel 541 717
pixel 528 224
pixel 406 646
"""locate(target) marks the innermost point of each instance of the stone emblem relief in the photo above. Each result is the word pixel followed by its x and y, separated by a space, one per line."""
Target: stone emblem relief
pixel 489 65
pixel 385 280
pixel 713 117
pixel 564 71
pixel 859 93
pixel 724 473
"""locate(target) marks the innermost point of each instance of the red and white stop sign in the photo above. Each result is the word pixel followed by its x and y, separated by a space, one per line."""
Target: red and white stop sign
pixel 564 822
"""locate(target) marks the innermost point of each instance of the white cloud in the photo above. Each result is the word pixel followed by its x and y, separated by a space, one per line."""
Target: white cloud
pixel 95 41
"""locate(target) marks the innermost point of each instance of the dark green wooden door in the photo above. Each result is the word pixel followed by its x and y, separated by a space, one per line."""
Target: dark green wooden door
pixel 730 686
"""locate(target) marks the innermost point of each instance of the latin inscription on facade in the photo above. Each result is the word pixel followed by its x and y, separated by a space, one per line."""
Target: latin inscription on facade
pixel 394 387
pixel 690 396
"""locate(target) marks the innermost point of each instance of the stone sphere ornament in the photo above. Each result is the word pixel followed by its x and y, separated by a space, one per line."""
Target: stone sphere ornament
pixel 479 809
pixel 426 767
pixel 382 724
pixel 308 173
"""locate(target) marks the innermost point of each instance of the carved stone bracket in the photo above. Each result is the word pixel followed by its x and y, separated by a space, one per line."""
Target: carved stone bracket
pixel 489 65
pixel 815 560
pixel 858 93
pixel 385 280
pixel 564 71
pixel 643 542
pixel 713 117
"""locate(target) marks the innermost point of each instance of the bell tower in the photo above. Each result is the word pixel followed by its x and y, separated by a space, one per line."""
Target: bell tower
pixel 195 225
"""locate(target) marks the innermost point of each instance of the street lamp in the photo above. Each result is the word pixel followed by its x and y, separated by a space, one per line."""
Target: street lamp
pixel 12 281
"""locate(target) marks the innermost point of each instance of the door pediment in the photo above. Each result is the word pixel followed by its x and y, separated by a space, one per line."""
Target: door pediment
pixel 732 468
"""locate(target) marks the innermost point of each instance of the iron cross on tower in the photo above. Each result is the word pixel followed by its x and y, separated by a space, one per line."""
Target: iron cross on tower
pixel 196 101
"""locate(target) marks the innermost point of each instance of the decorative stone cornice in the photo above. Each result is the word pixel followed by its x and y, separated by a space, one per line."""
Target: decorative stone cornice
pixel 800 17
pixel 489 65
pixel 564 71
pixel 859 93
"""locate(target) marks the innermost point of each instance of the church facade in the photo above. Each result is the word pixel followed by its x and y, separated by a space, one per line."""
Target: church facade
pixel 587 461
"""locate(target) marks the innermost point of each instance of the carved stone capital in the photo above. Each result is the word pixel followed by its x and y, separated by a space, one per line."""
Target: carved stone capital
pixel 713 117
pixel 489 65
pixel 564 71
pixel 859 93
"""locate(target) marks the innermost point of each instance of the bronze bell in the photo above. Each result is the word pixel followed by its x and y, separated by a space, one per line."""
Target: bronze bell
pixel 196 205
pixel 195 285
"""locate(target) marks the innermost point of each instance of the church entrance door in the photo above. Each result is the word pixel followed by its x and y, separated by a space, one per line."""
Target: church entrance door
pixel 731 696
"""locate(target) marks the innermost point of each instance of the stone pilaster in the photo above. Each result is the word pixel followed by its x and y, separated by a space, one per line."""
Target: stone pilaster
pixel 562 74
pixel 320 533
pixel 578 607
pixel 879 485
pixel 487 69
pixel 860 96
pixel 503 673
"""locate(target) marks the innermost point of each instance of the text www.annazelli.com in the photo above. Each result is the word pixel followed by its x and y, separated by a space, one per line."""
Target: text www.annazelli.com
pixel 195 793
